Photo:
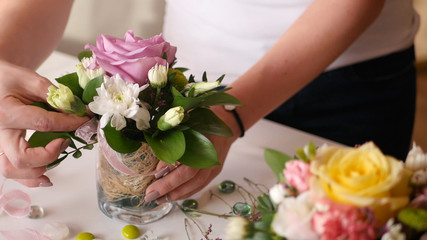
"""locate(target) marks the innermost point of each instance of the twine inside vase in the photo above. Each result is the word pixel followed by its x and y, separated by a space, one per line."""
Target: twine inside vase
pixel 118 186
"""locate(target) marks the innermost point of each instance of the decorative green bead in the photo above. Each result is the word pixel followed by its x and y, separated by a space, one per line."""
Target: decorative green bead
pixel 130 232
pixel 227 187
pixel 85 236
pixel 242 209
pixel 190 203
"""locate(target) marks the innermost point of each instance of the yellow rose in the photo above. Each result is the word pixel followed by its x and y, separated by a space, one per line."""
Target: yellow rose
pixel 362 177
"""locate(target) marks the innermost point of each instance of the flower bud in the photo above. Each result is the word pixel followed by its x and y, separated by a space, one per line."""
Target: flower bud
pixel 63 98
pixel 238 228
pixel 179 81
pixel 158 76
pixel 171 118
pixel 202 87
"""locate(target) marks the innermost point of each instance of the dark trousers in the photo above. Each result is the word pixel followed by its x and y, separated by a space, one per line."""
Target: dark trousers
pixel 369 101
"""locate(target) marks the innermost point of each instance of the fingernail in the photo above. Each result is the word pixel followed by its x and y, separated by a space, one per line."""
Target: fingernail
pixel 45 184
pixel 161 200
pixel 65 144
pixel 151 196
pixel 161 172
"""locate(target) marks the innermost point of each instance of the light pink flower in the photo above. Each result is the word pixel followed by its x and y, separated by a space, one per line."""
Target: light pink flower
pixel 338 221
pixel 131 57
pixel 298 174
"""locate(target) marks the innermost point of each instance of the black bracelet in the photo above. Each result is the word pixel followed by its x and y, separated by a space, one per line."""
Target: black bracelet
pixel 239 122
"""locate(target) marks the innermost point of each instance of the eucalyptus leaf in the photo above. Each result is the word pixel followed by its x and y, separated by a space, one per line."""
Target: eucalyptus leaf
pixel 72 81
pixel 88 147
pixel 276 161
pixel 90 89
pixel 167 146
pixel 118 142
pixel 199 151
pixel 83 54
pixel 205 121
pixel 77 154
pixel 41 139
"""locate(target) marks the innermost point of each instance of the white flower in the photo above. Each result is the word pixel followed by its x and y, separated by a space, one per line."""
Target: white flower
pixel 419 177
pixel 395 231
pixel 279 192
pixel 416 159
pixel 171 118
pixel 293 218
pixel 237 228
pixel 158 76
pixel 118 100
pixel 202 87
pixel 86 74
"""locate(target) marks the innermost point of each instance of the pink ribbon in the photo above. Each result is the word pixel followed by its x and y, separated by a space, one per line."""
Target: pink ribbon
pixel 14 195
pixel 89 130
pixel 26 234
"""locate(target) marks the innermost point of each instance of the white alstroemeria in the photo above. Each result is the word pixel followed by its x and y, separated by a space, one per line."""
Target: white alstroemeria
pixel 86 74
pixel 158 76
pixel 238 228
pixel 118 100
pixel 172 118
pixel 278 193
pixel 416 159
pixel 394 231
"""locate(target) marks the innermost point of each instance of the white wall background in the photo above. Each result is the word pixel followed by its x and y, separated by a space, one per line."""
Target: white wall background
pixel 89 18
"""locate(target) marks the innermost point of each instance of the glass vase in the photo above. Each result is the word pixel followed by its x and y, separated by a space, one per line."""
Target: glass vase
pixel 121 196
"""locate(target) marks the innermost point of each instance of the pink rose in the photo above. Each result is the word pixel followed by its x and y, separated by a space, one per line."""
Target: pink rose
pixel 297 173
pixel 131 57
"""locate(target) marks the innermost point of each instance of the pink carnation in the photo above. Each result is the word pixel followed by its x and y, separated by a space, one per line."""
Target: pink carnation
pixel 343 222
pixel 297 173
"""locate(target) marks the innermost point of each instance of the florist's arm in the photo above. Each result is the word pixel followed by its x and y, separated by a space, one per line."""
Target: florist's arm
pixel 324 31
pixel 29 32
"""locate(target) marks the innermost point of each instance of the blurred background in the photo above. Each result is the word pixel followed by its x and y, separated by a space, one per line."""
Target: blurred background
pixel 89 19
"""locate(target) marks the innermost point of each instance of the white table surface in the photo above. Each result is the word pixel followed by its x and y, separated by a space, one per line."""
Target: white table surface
pixel 72 198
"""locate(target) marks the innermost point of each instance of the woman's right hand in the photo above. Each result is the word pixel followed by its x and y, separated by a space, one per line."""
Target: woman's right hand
pixel 20 87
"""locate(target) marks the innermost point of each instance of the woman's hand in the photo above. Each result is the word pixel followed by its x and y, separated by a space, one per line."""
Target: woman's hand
pixel 182 181
pixel 19 88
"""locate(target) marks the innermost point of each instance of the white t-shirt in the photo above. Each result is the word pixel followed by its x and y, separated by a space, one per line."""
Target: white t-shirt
pixel 229 36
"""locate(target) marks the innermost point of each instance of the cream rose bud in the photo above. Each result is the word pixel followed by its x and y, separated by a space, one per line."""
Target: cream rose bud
pixel 172 118
pixel 158 76
pixel 63 98
pixel 416 159
pixel 202 87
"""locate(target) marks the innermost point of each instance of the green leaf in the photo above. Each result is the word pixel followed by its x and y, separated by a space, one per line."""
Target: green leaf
pixel 86 53
pixel 276 161
pixel 204 78
pixel 77 154
pixel 416 218
pixel 167 146
pixel 265 205
pixel 181 69
pixel 88 147
pixel 221 78
pixel 199 151
pixel 90 89
pixel 205 121
pixel 56 162
pixel 72 81
pixel 205 100
pixel 41 139
pixel 118 142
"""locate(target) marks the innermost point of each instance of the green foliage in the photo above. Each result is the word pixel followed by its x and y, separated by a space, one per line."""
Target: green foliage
pixel 84 54
pixel 276 161
pixel 167 146
pixel 118 142
pixel 72 81
pixel 205 121
pixel 90 89
pixel 199 151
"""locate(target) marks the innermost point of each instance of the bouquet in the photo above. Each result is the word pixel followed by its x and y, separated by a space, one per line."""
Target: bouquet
pixel 135 95
pixel 341 193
